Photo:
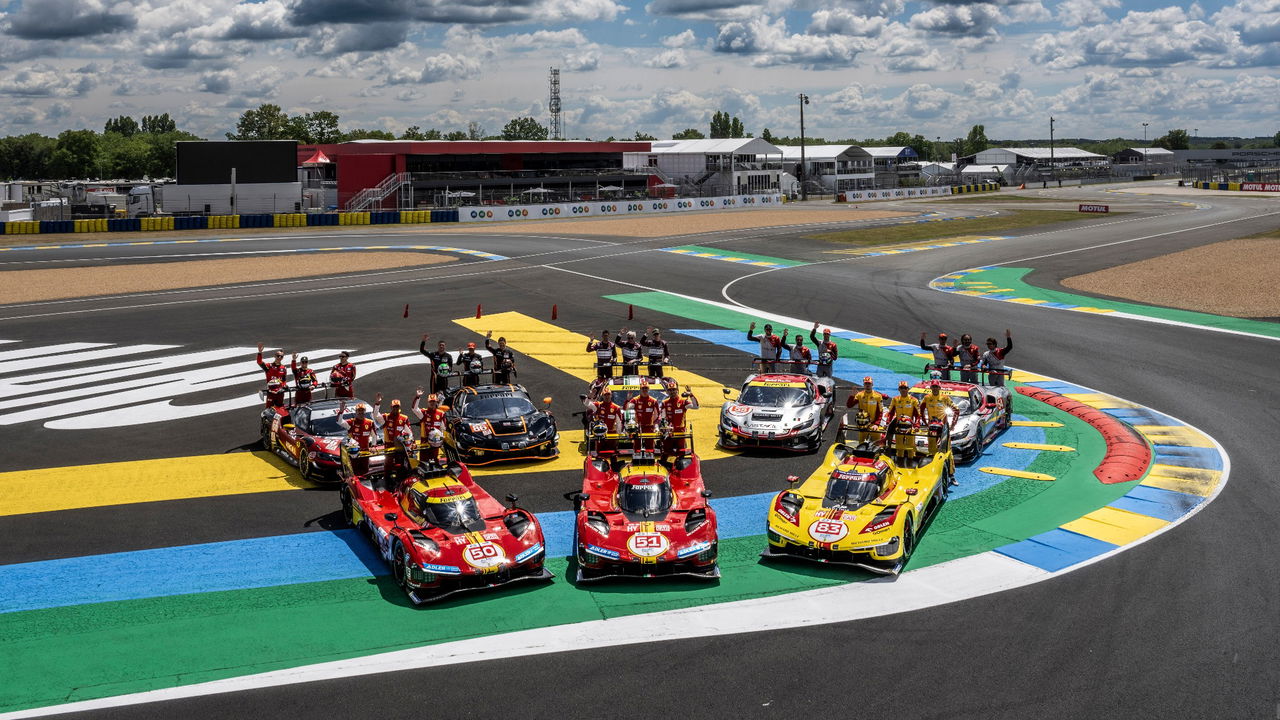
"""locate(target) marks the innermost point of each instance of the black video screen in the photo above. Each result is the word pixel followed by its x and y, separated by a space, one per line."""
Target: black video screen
pixel 255 161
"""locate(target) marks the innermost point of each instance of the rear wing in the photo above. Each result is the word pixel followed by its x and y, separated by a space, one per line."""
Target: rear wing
pixel 626 444
pixel 984 374
pixel 879 433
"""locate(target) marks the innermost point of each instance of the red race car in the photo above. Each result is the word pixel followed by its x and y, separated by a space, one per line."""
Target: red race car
pixel 440 532
pixel 308 435
pixel 638 517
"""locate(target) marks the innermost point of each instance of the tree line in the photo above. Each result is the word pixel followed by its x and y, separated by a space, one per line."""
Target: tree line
pixel 270 122
pixel 126 148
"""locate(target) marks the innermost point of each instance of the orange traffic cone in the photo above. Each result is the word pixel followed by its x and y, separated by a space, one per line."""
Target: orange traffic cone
pixel 478 313
pixel 554 312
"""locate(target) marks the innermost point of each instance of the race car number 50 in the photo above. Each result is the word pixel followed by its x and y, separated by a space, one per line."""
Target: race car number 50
pixel 828 531
pixel 484 555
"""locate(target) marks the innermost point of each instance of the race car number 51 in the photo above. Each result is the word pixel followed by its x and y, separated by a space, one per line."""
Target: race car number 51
pixel 828 531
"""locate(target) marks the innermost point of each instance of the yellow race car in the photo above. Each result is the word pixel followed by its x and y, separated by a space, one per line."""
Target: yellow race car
pixel 859 508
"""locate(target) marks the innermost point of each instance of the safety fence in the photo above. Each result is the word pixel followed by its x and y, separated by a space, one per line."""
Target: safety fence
pixel 228 222
pixel 1243 186
pixel 905 193
pixel 556 211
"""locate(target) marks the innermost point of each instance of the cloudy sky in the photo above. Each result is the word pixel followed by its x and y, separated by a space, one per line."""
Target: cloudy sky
pixel 871 67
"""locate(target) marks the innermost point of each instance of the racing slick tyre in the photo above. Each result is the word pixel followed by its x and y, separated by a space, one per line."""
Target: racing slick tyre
pixel 908 546
pixel 399 566
pixel 304 465
pixel 1008 413
pixel 268 437
pixel 344 495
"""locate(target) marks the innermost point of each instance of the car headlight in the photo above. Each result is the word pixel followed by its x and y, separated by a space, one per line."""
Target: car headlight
pixel 888 548
pixel 427 544
pixel 803 424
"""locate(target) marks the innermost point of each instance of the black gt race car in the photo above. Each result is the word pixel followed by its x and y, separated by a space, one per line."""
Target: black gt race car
pixel 491 423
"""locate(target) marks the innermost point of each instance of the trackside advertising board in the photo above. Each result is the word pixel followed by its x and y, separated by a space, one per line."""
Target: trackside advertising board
pixel 559 211
pixel 1260 187
pixel 867 195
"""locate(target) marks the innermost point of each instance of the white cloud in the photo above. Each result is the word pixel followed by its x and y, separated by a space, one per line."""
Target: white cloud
pixel 667 59
pixel 1074 13
pixel 841 21
pixel 768 43
pixel 681 40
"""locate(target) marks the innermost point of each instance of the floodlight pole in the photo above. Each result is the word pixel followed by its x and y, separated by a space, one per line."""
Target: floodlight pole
pixel 1053 167
pixel 1146 170
pixel 804 193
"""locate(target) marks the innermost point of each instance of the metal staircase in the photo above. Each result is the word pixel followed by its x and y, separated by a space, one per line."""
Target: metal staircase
pixel 369 197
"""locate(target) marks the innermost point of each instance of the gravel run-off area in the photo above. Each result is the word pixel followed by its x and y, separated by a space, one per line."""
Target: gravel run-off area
pixel 23 286
pixel 1235 278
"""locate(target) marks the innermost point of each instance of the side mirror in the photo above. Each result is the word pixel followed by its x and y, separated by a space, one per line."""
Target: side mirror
pixel 582 397
pixel 512 498
pixel 793 479
pixel 726 391
pixel 706 493
pixel 546 400
pixel 390 517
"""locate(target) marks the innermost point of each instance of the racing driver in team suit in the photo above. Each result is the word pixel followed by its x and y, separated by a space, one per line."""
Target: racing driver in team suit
pixel 935 405
pixel 870 405
pixel 630 350
pixel 675 412
pixel 304 380
pixel 602 410
pixel 343 376
pixel 504 361
pixel 770 345
pixel 646 410
pixel 903 405
pixel 360 431
pixel 828 352
pixel 275 378
pixel 429 418
pixel 441 366
pixel 394 424
pixel 657 351
pixel 605 353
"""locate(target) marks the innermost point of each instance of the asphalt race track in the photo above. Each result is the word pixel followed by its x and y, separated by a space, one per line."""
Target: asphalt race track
pixel 1181 626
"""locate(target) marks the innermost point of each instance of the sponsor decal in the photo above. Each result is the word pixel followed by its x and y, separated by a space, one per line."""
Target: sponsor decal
pixel 1086 208
pixel 1260 187
pixel 772 383
pixel 693 549
pixel 648 544
pixel 827 531
pixel 529 552
pixel 739 409
pixel 484 555
pixel 602 552
pixel 442 569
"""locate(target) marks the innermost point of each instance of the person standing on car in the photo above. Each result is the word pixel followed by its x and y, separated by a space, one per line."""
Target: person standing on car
pixel 430 418
pixel 800 355
pixel 395 425
pixel 605 352
pixel 993 359
pixel 343 377
pixel 472 365
pixel 936 405
pixel 504 360
pixel 630 350
pixel 360 431
pixel 903 405
pixel 870 407
pixel 657 351
pixel 675 412
pixel 770 345
pixel 942 354
pixel 828 353
pixel 441 366
pixel 304 380
pixel 275 372
pixel 647 409
pixel 968 355
pixel 602 410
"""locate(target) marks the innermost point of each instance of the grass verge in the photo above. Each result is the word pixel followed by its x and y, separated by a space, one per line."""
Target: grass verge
pixel 1003 198
pixel 913 232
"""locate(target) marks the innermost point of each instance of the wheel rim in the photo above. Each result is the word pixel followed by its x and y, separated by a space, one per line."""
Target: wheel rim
pixel 398 566
pixel 304 465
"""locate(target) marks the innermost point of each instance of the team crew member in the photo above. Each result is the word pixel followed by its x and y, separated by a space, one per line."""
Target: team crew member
pixel 472 365
pixel 304 380
pixel 903 406
pixel 430 419
pixel 968 355
pixel 630 350
pixel 602 410
pixel 275 378
pixel 942 354
pixel 504 360
pixel 675 412
pixel 993 359
pixel 799 355
pixel 360 429
pixel 770 345
pixel 935 406
pixel 605 353
pixel 647 410
pixel 394 424
pixel 657 351
pixel 441 366
pixel 828 353
pixel 870 403
pixel 343 377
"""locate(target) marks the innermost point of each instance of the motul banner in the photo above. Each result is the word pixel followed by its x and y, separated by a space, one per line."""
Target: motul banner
pixel 1095 208
pixel 1260 187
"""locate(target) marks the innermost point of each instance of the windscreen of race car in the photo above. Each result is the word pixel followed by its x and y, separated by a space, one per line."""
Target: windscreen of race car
pixel 620 397
pixel 773 396
pixel 498 408
pixel 852 489
pixel 644 499
pixel 324 423
pixel 456 514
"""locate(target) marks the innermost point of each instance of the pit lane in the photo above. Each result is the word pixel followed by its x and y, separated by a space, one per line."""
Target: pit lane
pixel 884 290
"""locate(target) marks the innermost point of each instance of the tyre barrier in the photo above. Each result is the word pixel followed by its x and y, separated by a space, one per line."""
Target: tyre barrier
pixel 446 216
pixel 414 216
pixel 1128 455
pixel 974 188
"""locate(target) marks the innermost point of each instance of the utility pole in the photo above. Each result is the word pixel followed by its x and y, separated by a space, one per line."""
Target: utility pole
pixel 553 104
pixel 1145 168
pixel 804 192
pixel 1053 168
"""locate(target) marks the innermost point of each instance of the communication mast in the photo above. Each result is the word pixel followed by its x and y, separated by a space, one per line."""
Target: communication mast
pixel 554 105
